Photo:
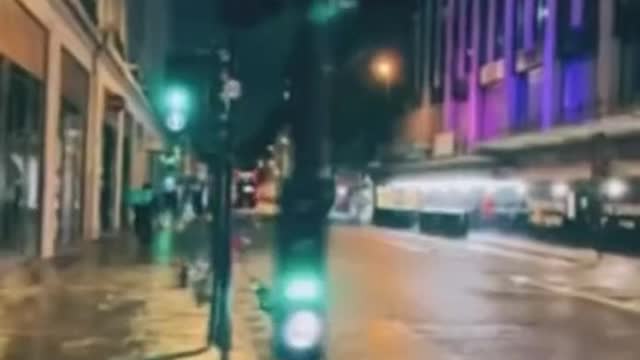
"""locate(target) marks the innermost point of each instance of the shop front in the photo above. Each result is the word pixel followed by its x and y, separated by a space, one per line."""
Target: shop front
pixel 22 111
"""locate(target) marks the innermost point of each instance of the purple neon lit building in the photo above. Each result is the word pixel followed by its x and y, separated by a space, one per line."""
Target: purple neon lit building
pixel 498 68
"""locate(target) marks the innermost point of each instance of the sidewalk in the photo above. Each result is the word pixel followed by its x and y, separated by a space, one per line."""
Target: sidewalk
pixel 109 304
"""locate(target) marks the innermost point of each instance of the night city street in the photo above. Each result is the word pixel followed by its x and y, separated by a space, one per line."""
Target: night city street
pixel 320 179
pixel 397 295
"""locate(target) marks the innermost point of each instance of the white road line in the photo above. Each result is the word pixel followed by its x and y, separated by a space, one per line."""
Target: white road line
pixel 496 251
pixel 409 245
pixel 631 306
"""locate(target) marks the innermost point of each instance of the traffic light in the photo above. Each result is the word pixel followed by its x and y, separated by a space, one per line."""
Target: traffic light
pixel 177 99
pixel 300 292
pixel 177 104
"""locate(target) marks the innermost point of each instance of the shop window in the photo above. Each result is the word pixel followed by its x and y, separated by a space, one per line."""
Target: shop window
pixel 71 154
pixel 21 144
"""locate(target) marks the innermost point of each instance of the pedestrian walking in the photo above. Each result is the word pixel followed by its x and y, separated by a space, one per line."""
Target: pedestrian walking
pixel 142 201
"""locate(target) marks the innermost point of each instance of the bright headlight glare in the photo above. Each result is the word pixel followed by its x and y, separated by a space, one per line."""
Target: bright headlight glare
pixel 303 330
pixel 615 188
pixel 560 189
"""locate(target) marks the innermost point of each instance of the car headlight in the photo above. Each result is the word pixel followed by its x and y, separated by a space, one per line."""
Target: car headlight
pixel 560 189
pixel 615 188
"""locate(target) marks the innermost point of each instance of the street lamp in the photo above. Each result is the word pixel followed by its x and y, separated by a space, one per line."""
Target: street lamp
pixel 384 68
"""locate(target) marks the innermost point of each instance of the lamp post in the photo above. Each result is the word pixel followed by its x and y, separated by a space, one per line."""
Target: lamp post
pixel 384 68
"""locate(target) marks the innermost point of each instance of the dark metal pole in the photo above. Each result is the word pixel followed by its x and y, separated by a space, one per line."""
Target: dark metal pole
pixel 220 326
pixel 308 195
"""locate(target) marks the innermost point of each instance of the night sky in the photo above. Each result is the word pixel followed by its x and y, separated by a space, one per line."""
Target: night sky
pixel 263 50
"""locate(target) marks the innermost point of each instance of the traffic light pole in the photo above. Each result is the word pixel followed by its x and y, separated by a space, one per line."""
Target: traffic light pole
pixel 300 278
pixel 220 326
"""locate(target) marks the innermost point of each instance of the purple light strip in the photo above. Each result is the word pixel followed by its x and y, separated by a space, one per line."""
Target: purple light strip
pixel 549 91
pixel 529 23
pixel 577 10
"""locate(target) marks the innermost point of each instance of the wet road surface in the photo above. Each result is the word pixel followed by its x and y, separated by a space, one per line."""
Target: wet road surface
pixel 401 297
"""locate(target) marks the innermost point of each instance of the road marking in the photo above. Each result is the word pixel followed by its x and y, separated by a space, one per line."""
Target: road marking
pixel 410 245
pixel 428 243
pixel 632 306
pixel 488 249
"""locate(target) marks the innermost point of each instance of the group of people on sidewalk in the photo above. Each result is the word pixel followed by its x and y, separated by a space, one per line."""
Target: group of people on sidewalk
pixel 174 202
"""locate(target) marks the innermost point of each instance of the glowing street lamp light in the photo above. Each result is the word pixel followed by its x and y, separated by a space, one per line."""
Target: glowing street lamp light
pixel 384 68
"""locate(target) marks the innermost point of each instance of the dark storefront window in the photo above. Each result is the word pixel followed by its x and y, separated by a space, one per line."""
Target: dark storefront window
pixel 437 50
pixel 91 8
pixel 21 120
pixel 627 26
pixel 484 33
pixel 71 136
pixel 578 24
pixel 519 24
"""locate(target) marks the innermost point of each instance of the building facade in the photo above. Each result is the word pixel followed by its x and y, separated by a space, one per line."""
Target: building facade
pixel 74 124
pixel 542 92
pixel 496 69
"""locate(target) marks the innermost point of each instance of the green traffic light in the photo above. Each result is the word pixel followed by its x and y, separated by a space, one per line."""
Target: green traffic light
pixel 177 99
pixel 302 289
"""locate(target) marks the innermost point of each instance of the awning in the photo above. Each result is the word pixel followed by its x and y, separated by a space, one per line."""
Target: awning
pixel 463 161
pixel 611 126
pixel 556 172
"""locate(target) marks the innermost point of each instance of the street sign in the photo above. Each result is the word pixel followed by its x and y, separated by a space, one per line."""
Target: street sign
pixel 232 90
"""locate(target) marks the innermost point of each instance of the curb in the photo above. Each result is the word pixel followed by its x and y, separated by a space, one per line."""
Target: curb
pixel 251 321
pixel 630 306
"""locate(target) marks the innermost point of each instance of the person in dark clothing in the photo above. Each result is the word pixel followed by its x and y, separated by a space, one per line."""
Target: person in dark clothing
pixel 196 193
pixel 142 201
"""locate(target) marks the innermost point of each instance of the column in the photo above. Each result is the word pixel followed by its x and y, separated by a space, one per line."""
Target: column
pixel 449 121
pixel 117 196
pixel 50 183
pixel 510 52
pixel 551 69
pixel 429 21
pixel 608 56
pixel 93 158
pixel 474 86
pixel 462 39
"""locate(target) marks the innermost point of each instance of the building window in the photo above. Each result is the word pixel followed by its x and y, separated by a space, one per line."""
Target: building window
pixel 437 50
pixel 484 33
pixel 71 135
pixel 21 120
pixel 627 26
pixel 578 24
pixel 91 8
pixel 500 29
pixel 468 36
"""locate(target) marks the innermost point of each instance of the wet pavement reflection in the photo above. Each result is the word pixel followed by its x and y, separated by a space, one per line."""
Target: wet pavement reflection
pixel 397 298
pixel 115 302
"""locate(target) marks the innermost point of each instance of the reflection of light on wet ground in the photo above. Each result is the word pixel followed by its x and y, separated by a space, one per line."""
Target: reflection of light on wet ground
pixel 162 248
pixel 92 309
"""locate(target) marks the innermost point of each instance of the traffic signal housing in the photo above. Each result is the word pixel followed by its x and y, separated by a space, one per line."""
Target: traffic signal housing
pixel 300 284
